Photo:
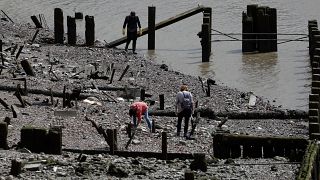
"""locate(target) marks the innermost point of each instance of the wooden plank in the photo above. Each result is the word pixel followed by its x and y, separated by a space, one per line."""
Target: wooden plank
pixel 161 24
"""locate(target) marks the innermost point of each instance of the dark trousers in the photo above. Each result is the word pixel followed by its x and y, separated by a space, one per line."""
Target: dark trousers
pixel 186 114
pixel 131 36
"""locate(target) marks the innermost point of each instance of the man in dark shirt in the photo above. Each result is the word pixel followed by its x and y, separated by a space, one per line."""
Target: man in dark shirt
pixel 132 22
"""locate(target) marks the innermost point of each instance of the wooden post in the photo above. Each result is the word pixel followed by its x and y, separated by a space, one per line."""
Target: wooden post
pixel 208 89
pixel 161 99
pixel 16 167
pixel 142 94
pixel 1 55
pixel 111 140
pixel 312 24
pixel 19 51
pixel 151 27
pixel 72 30
pixel 205 41
pixel 263 27
pixel 115 137
pixel 54 140
pixel 272 12
pixel 3 135
pixel 27 67
pixel 64 97
pixel 78 15
pixel 36 21
pixel 164 146
pixel 124 72
pixel 111 79
pixel 207 13
pixel 188 175
pixel 34 36
pixel 153 127
pixel 58 26
pixel 90 30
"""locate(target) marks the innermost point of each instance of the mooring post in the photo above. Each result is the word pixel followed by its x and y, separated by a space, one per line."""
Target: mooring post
pixel 161 99
pixel 205 42
pixel 58 26
pixel 90 37
pixel 247 27
pixel 72 30
pixel 151 27
pixel 164 146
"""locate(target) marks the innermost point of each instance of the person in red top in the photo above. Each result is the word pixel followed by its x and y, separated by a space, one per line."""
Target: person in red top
pixel 137 109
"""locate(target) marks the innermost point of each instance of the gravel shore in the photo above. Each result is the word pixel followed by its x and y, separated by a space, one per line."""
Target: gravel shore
pixel 67 61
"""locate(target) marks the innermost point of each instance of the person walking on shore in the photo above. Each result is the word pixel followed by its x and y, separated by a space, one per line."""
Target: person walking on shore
pixel 184 109
pixel 132 22
pixel 137 109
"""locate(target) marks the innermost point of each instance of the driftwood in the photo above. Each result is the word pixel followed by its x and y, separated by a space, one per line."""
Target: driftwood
pixel 209 113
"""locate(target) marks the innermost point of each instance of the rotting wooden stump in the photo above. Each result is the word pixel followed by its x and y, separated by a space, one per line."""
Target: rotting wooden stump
pixel 228 145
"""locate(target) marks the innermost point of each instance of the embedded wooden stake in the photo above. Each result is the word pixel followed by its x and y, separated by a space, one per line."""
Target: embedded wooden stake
pixel 111 79
pixel 111 140
pixel 72 30
pixel 78 15
pixel 27 67
pixel 36 22
pixel 18 95
pixel 151 27
pixel 51 95
pixel 164 146
pixel 1 55
pixel 89 32
pixel 199 162
pixel 161 98
pixel 124 72
pixel 153 127
pixel 208 88
pixel 34 36
pixel 15 111
pixel 64 97
pixel 58 26
pixel 16 167
pixel 4 134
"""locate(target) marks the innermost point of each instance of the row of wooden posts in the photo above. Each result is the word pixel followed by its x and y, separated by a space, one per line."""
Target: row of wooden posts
pixel 314 97
pixel 259 29
pixel 72 28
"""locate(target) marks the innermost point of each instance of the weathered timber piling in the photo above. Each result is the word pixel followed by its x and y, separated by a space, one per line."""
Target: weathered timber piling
pixel 142 94
pixel 3 135
pixel 312 24
pixel 90 30
pixel 34 36
pixel 151 27
pixel 72 30
pixel 199 162
pixel 110 134
pixel 36 22
pixel 259 29
pixel 207 19
pixel 188 175
pixel 58 26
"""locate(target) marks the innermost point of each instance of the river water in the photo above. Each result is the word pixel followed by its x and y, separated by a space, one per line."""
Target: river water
pixel 282 77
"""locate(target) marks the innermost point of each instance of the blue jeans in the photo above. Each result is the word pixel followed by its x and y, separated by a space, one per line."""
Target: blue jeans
pixel 146 117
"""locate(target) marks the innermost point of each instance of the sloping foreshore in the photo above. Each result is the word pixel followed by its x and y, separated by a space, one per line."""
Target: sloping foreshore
pixel 66 61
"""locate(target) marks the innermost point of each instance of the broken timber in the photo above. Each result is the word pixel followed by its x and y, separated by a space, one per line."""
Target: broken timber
pixel 161 24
